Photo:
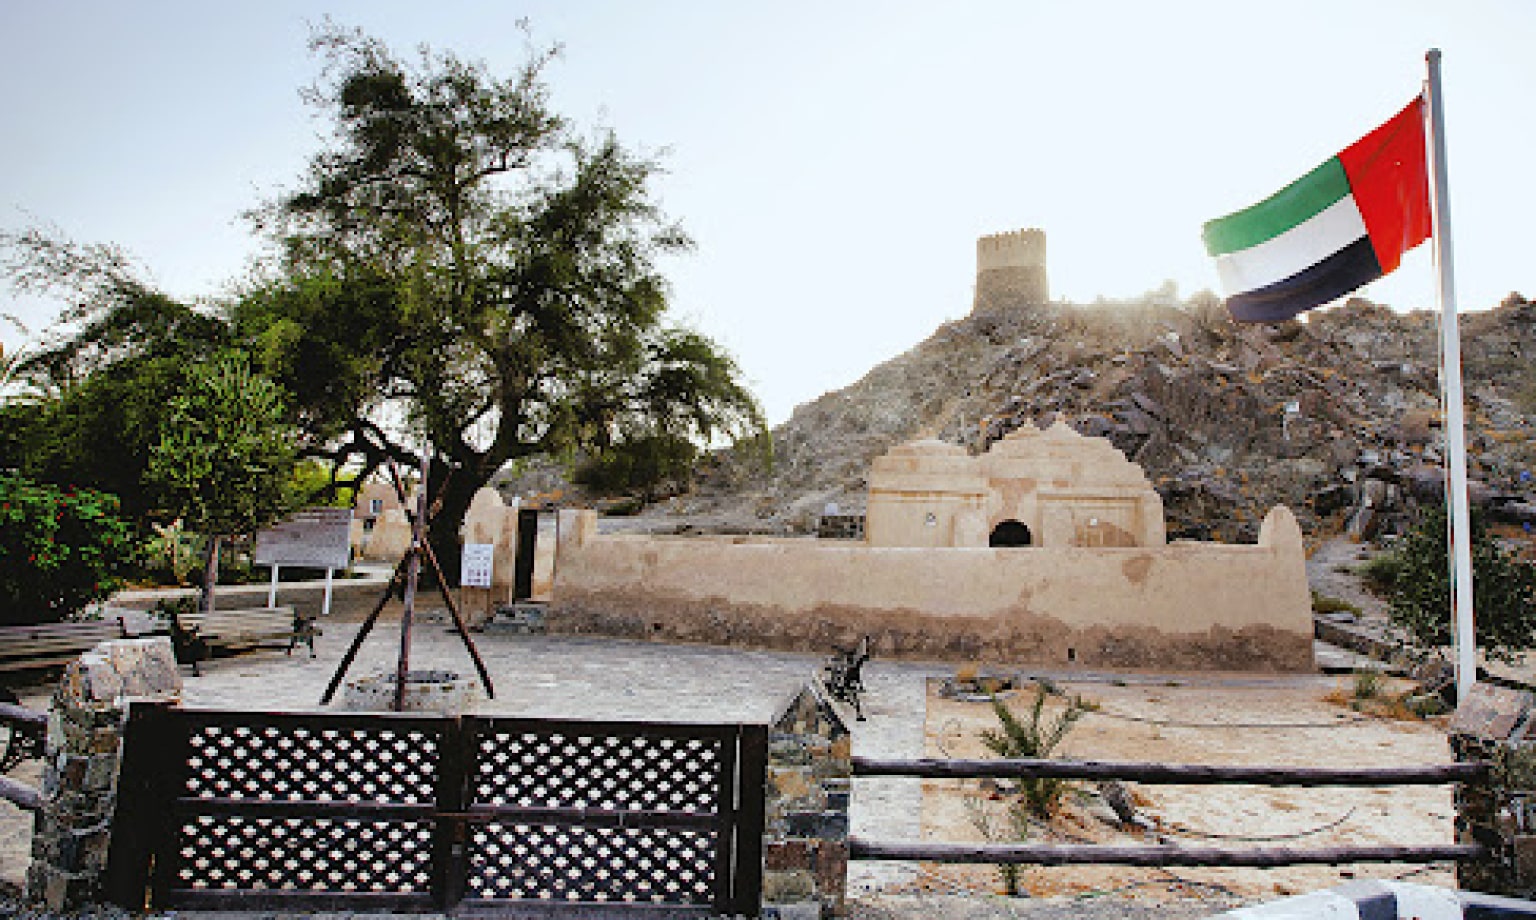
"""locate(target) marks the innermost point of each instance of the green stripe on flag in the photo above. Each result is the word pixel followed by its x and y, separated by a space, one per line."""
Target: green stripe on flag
pixel 1292 205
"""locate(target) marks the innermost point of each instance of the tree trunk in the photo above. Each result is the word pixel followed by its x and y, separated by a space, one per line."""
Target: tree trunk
pixel 210 575
pixel 443 530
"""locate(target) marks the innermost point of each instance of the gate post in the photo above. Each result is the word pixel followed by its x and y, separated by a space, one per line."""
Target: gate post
pixel 1493 724
pixel 805 843
pixel 73 830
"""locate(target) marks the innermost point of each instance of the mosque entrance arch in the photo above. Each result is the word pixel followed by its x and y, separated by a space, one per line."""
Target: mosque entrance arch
pixel 1010 533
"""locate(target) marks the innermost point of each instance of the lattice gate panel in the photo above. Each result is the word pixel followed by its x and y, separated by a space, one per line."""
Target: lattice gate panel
pixel 300 804
pixel 659 780
pixel 598 864
pixel 305 854
pixel 334 811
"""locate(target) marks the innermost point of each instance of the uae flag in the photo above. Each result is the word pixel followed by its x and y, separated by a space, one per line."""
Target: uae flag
pixel 1342 225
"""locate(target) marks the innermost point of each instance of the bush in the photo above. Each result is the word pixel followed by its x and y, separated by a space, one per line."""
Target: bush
pixel 1380 572
pixel 1504 590
pixel 59 550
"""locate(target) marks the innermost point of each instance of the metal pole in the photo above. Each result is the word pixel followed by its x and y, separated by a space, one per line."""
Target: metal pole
pixel 1455 413
pixel 330 578
pixel 272 591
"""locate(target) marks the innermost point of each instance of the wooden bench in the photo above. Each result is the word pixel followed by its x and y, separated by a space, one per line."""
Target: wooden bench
pixel 23 731
pixel 196 634
pixel 53 645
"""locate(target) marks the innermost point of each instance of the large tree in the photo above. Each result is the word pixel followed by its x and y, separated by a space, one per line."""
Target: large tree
pixel 97 397
pixel 460 269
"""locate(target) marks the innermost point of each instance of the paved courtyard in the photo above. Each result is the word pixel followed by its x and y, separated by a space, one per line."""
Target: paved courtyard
pixel 598 678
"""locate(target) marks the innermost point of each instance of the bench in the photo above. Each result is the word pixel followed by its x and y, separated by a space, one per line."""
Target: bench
pixel 53 645
pixel 196 634
pixel 23 731
pixel 845 674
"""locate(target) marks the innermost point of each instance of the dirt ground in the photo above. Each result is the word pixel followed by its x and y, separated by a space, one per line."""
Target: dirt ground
pixel 1198 722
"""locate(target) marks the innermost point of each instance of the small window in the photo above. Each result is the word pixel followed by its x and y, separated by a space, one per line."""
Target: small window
pixel 375 506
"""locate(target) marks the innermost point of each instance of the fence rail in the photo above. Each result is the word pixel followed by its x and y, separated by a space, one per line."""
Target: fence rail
pixel 1170 774
pixel 1174 774
pixel 1157 855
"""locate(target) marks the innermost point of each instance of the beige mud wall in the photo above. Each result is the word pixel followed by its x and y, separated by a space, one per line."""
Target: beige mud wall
pixel 1178 606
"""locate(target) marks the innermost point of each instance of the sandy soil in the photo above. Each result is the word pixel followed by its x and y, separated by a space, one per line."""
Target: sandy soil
pixel 1196 721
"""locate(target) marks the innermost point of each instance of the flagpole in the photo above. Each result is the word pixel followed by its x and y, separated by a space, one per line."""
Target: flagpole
pixel 1460 524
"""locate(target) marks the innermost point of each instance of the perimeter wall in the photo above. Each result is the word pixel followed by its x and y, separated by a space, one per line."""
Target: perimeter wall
pixel 1181 606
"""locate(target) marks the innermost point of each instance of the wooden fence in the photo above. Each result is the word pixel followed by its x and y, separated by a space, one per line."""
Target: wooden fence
pixel 1175 774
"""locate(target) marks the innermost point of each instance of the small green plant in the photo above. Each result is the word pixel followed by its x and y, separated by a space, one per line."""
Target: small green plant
pixel 1034 735
pixel 1322 603
pixel 1368 683
pixel 1011 826
pixel 172 552
pixel 1380 572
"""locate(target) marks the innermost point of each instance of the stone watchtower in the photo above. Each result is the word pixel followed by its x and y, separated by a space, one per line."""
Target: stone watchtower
pixel 1010 270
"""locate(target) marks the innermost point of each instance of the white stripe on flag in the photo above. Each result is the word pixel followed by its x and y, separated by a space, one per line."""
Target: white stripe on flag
pixel 1298 248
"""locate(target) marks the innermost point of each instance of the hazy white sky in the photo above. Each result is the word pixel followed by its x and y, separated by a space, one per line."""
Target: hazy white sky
pixel 835 161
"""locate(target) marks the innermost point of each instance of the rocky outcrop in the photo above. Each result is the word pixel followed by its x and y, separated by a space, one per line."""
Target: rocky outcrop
pixel 1337 417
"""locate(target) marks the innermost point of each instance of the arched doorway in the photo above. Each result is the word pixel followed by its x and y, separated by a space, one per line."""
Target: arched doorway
pixel 1010 533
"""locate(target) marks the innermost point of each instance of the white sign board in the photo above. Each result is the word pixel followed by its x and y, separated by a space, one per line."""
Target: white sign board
pixel 317 537
pixel 478 560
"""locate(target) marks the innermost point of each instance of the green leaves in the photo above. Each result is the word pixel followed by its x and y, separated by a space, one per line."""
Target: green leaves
pixel 60 549
pixel 225 455
pixel 1504 590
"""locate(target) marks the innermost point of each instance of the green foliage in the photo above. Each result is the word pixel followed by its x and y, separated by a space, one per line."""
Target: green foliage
pixel 1012 826
pixel 171 554
pixel 643 465
pixel 1035 735
pixel 1368 683
pixel 60 549
pixel 1322 603
pixel 459 252
pixel 1504 590
pixel 317 483
pixel 99 397
pixel 1380 572
pixel 225 457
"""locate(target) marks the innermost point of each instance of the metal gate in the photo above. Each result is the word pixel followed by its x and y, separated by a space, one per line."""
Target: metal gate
pixel 329 811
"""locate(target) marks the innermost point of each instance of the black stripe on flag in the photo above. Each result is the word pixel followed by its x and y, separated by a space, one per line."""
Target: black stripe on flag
pixel 1351 267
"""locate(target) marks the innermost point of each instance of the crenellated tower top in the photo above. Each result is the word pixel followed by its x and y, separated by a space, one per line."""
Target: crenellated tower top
pixel 1010 270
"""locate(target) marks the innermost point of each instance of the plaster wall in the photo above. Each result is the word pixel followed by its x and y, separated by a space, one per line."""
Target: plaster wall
pixel 1067 489
pixel 1185 605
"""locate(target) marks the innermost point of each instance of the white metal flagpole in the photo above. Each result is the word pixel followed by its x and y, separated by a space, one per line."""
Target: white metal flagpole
pixel 1460 523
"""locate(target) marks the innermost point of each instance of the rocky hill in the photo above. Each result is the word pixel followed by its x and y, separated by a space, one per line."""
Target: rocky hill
pixel 1336 416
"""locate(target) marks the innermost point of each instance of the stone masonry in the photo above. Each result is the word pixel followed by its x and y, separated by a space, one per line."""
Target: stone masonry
pixel 1494 724
pixel 73 828
pixel 805 847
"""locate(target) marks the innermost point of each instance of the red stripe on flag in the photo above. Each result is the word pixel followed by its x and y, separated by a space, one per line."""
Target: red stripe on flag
pixel 1389 176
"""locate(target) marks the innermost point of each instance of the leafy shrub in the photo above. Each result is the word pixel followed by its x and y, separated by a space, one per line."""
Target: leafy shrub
pixel 1504 590
pixel 1380 572
pixel 649 465
pixel 59 549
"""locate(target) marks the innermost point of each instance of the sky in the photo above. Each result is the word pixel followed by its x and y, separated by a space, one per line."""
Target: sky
pixel 834 162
